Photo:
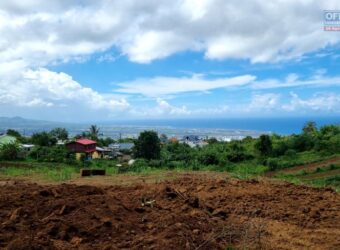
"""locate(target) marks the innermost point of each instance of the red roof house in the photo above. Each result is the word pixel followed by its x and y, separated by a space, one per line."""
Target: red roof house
pixel 82 146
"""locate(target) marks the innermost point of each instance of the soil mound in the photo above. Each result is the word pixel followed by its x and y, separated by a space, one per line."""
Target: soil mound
pixel 187 213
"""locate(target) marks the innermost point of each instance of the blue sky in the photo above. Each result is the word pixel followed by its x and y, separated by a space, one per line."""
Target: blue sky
pixel 108 60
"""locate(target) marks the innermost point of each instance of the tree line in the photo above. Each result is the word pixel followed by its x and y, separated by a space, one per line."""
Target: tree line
pixel 270 150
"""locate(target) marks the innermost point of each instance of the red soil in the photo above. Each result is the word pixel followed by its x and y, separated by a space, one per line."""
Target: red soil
pixel 192 212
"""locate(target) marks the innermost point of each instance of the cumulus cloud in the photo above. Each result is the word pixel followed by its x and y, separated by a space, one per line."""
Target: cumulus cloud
pixel 163 108
pixel 261 31
pixel 318 102
pixel 266 101
pixel 38 33
pixel 42 87
pixel 160 86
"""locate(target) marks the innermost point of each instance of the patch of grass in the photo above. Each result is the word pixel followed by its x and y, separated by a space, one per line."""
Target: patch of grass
pixel 331 181
pixel 248 170
pixel 302 158
pixel 56 173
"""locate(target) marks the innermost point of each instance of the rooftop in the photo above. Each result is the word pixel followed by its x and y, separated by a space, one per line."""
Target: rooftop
pixel 5 139
pixel 86 141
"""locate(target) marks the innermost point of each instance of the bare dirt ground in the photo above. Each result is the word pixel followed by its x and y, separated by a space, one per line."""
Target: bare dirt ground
pixel 192 211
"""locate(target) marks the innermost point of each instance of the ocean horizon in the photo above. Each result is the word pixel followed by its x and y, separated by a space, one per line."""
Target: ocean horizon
pixel 228 127
pixel 282 126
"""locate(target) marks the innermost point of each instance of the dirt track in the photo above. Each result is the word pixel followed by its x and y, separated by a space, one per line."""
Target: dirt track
pixel 310 166
pixel 192 212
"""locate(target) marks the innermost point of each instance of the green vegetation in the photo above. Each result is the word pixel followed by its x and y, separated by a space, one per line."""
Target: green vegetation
pixel 48 172
pixel 9 151
pixel 148 146
pixel 322 176
pixel 59 134
pixel 243 159
pixel 43 139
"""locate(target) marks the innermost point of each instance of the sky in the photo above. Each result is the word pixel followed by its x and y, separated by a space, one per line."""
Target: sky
pixel 106 60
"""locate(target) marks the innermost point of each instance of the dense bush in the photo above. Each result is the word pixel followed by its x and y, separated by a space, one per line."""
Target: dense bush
pixel 9 151
pixel 52 154
pixel 43 139
pixel 148 145
pixel 264 145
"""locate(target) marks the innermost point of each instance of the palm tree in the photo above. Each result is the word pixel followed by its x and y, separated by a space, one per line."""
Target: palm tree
pixel 94 131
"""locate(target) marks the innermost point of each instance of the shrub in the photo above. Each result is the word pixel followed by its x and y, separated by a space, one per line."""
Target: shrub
pixel 208 157
pixel 273 164
pixel 52 154
pixel 148 146
pixel 318 170
pixel 331 167
pixel 290 153
pixel 9 151
pixel 138 166
pixel 264 145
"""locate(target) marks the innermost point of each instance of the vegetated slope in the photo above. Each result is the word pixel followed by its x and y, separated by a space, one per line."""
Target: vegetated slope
pixel 191 212
pixel 310 166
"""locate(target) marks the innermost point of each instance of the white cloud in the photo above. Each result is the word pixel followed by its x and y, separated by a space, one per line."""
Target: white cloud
pixel 164 107
pixel 161 86
pixel 292 80
pixel 264 102
pixel 38 33
pixel 318 102
pixel 43 31
pixel 42 87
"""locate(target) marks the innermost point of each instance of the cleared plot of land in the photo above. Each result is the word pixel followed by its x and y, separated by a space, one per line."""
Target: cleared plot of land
pixel 191 211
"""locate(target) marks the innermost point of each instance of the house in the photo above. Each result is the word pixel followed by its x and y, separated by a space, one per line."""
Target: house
pixel 6 139
pixel 103 153
pixel 194 141
pixel 173 140
pixel 60 143
pixel 27 147
pixel 122 146
pixel 83 146
pixel 191 138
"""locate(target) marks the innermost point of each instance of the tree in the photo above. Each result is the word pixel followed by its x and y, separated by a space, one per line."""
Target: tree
pixel 9 151
pixel 209 156
pixel 264 145
pixel 43 139
pixel 14 133
pixel 177 152
pixel 94 132
pixel 310 128
pixel 163 138
pixel 328 131
pixel 212 140
pixel 147 146
pixel 105 141
pixel 59 133
pixel 238 153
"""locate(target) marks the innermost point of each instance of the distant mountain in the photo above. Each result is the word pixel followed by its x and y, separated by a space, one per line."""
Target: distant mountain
pixel 18 121
pixel 29 126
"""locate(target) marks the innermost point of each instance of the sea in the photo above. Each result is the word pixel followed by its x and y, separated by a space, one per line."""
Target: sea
pixel 224 129
pixel 231 127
